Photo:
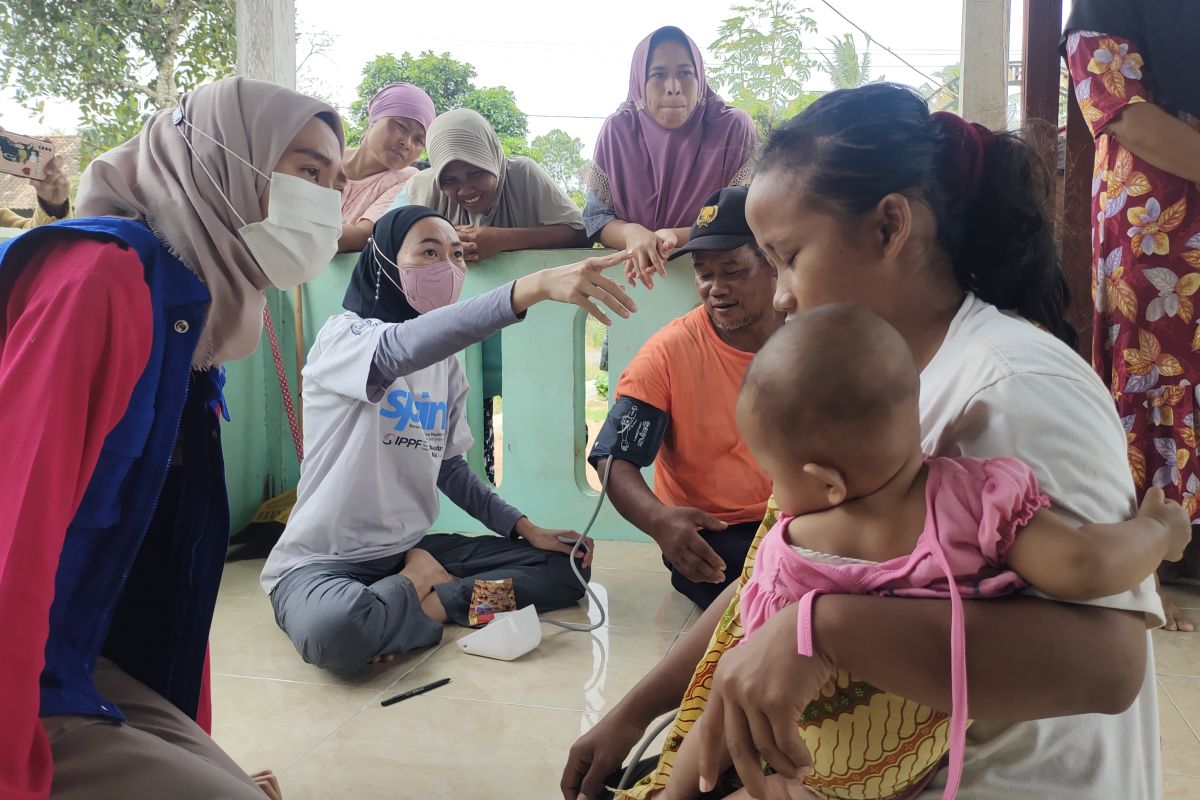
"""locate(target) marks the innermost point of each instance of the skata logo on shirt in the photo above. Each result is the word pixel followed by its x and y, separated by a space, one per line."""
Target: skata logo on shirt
pixel 402 406
pixel 360 326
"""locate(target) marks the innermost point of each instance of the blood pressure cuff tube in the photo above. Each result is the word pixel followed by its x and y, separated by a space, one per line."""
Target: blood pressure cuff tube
pixel 633 432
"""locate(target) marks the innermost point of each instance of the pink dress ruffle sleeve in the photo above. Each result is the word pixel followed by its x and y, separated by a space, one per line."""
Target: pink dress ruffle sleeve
pixel 974 510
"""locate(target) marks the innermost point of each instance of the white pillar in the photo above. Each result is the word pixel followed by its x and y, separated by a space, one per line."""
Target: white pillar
pixel 983 88
pixel 266 40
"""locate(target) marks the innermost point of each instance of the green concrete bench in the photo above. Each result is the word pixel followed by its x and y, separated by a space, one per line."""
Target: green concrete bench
pixel 543 430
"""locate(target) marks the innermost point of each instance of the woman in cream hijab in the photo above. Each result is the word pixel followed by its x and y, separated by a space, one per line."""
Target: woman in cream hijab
pixel 114 523
pixel 496 203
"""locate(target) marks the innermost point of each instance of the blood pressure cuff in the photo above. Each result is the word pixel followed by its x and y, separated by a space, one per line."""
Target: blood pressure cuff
pixel 633 432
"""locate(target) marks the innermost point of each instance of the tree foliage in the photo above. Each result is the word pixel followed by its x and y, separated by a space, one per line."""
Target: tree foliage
pixel 445 80
pixel 120 60
pixel 312 63
pixel 944 96
pixel 449 83
pixel 499 106
pixel 562 156
pixel 760 62
pixel 846 66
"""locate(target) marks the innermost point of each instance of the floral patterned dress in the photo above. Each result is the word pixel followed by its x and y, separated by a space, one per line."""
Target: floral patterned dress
pixel 1146 248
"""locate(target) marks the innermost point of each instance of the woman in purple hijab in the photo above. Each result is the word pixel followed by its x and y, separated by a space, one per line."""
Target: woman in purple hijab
pixel 398 117
pixel 670 145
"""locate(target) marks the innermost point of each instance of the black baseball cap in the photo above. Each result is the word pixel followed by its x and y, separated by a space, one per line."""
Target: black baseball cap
pixel 720 225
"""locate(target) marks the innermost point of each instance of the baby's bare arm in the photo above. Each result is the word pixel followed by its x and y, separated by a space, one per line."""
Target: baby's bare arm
pixel 1102 559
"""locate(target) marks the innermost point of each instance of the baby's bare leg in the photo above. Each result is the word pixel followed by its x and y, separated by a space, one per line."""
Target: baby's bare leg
pixel 778 788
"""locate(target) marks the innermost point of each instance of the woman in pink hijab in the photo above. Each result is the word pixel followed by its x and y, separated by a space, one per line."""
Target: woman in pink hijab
pixel 670 145
pixel 398 118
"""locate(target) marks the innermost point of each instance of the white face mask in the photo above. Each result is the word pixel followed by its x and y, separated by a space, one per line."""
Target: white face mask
pixel 300 235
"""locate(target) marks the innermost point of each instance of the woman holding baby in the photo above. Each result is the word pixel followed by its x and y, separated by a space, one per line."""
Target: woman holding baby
pixel 937 227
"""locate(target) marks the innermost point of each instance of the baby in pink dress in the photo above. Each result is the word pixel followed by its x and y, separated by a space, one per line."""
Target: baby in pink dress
pixel 829 408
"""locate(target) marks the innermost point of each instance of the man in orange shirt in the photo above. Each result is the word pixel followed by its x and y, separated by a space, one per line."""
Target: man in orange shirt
pixel 674 408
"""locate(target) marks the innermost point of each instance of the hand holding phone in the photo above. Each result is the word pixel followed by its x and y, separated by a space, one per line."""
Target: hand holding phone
pixel 24 156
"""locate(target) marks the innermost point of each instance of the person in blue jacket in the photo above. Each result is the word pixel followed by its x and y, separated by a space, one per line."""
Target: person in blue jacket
pixel 114 519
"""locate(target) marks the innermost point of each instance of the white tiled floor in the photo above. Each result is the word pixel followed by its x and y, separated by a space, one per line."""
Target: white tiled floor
pixel 501 730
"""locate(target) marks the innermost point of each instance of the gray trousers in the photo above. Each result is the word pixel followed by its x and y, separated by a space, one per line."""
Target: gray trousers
pixel 340 615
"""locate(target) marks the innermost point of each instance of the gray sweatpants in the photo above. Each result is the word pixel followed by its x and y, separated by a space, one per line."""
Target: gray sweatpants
pixel 340 615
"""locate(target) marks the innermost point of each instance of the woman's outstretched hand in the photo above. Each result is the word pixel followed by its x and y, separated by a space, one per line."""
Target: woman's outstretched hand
pixel 582 284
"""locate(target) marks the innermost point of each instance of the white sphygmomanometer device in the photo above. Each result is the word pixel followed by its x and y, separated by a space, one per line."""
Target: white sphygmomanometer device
pixel 508 637
pixel 513 634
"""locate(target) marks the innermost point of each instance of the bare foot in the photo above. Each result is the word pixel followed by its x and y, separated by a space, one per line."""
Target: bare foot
pixel 433 608
pixel 1176 621
pixel 424 571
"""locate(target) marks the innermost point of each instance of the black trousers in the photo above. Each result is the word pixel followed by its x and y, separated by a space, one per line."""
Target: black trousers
pixel 731 545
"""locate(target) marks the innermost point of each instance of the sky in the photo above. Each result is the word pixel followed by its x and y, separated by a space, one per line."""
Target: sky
pixel 566 69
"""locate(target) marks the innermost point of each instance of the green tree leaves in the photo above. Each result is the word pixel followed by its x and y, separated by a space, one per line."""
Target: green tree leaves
pixel 944 96
pixel 562 156
pixel 449 83
pixel 846 66
pixel 499 106
pixel 120 60
pixel 760 61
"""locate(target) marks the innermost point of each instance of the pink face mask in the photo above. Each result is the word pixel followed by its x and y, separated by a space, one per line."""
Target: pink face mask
pixel 432 286
pixel 429 287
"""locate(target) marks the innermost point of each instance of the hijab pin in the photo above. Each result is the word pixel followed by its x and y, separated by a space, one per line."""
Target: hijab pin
pixel 177 116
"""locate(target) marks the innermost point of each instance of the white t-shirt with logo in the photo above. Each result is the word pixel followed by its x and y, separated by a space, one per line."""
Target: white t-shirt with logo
pixel 999 386
pixel 369 484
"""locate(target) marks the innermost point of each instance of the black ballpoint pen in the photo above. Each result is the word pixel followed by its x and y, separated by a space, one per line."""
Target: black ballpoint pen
pixel 429 687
